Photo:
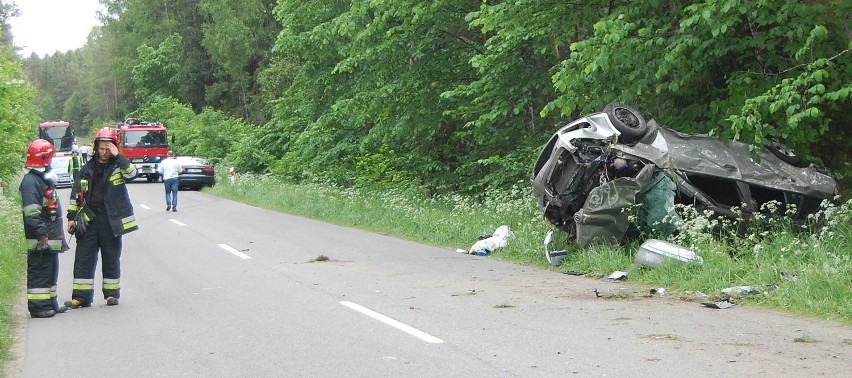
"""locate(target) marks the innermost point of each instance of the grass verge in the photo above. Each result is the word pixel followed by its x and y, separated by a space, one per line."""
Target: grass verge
pixel 12 264
pixel 803 273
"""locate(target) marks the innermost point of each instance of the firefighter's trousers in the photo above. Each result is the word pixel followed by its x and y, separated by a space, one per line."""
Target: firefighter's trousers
pixel 42 272
pixel 98 237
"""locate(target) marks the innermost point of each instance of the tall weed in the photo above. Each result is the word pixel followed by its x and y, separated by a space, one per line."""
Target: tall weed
pixel 12 263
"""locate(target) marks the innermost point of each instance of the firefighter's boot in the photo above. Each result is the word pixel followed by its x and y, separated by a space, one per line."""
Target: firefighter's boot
pixel 76 303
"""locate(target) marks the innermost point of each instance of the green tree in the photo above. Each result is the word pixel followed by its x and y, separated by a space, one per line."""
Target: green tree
pixel 129 24
pixel 18 116
pixel 238 38
pixel 157 71
pixel 742 69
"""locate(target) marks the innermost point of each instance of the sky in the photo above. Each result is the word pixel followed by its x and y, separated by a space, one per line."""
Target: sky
pixel 48 26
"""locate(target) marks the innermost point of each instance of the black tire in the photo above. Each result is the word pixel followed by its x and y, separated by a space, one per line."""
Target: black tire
pixel 786 154
pixel 628 121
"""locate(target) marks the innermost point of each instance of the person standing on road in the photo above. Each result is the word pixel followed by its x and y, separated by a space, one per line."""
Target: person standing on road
pixel 170 170
pixel 107 214
pixel 84 151
pixel 42 214
pixel 75 164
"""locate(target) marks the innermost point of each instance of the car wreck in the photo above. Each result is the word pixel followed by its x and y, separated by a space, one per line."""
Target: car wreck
pixel 596 167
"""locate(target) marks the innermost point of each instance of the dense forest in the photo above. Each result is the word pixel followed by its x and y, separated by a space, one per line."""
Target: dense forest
pixel 444 95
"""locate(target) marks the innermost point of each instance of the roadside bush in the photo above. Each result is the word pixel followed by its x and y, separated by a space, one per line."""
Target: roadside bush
pixel 18 116
pixel 12 262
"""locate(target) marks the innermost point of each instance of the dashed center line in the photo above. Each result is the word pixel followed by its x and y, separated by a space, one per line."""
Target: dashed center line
pixel 393 323
pixel 177 222
pixel 234 251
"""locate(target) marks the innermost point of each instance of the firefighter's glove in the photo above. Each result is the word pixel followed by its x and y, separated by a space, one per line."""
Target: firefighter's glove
pixel 80 224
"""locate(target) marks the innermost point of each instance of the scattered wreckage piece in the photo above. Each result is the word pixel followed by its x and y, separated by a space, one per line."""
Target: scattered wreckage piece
pixel 653 253
pixel 594 171
pixel 554 257
pixel 490 243
pixel 723 304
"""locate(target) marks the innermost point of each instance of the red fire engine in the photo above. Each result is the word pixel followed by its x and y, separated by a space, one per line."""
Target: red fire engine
pixel 145 144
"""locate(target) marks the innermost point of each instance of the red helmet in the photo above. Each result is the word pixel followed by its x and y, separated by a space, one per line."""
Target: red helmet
pixel 39 154
pixel 107 134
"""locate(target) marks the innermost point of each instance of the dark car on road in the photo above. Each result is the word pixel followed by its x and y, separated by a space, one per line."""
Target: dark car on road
pixel 196 173
pixel 596 168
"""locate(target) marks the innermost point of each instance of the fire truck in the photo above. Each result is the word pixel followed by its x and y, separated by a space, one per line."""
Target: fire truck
pixel 59 134
pixel 145 144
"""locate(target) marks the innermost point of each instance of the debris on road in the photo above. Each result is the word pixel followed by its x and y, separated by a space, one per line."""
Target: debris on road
pixel 744 291
pixel 617 276
pixel 653 252
pixel 554 257
pixel 720 304
pixel 499 239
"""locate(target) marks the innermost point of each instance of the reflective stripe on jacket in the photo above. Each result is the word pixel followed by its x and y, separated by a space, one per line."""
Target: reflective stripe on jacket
pixel 117 204
pixel 41 214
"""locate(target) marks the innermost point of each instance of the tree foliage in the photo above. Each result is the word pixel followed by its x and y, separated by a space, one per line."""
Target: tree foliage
pixel 18 115
pixel 157 72
pixel 451 95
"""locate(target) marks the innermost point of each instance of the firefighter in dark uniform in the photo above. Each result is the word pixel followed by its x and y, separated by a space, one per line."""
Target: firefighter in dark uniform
pixel 42 229
pixel 101 196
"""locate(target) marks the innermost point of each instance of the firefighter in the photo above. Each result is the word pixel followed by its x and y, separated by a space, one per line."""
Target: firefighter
pixel 107 214
pixel 43 230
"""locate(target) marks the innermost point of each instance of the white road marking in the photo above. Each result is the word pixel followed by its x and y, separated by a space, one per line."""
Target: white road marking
pixel 142 205
pixel 234 251
pixel 175 221
pixel 393 323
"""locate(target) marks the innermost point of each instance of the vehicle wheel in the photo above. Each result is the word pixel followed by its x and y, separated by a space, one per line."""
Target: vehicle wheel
pixel 628 121
pixel 786 154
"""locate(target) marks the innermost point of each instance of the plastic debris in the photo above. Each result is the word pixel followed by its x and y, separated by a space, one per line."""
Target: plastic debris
pixel 719 305
pixel 741 291
pixel 499 239
pixel 555 258
pixel 653 252
pixel 617 276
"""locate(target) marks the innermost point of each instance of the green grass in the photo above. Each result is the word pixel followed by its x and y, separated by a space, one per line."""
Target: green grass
pixel 12 270
pixel 802 273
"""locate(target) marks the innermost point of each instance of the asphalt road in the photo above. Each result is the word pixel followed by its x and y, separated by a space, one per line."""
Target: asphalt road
pixel 221 289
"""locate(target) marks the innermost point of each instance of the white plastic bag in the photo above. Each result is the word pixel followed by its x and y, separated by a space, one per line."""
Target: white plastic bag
pixel 499 239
